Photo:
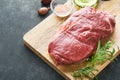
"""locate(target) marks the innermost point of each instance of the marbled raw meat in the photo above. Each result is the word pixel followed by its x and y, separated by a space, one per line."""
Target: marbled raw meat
pixel 79 35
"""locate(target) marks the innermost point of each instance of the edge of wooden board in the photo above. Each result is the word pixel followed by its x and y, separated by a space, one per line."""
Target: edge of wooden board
pixel 37 52
pixel 45 60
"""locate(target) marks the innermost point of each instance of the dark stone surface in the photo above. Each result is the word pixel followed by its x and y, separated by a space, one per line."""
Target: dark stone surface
pixel 17 62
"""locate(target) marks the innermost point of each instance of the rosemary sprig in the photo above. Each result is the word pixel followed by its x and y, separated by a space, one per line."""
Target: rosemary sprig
pixel 85 72
pixel 103 53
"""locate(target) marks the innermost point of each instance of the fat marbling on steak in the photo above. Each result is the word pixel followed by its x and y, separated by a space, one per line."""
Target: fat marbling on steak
pixel 79 35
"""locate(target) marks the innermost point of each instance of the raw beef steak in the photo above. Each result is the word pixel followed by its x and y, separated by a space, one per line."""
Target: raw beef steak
pixel 79 35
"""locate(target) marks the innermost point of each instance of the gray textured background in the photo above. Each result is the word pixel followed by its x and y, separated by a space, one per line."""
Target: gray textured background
pixel 17 62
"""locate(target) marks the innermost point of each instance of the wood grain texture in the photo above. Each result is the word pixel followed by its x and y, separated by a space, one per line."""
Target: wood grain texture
pixel 38 38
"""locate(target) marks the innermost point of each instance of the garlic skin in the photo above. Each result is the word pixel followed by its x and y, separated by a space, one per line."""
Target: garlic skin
pixel 43 11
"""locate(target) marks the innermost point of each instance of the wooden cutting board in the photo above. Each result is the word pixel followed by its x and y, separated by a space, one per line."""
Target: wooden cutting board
pixel 37 39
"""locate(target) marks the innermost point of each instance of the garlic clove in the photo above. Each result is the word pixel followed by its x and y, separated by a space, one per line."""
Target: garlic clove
pixel 43 10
